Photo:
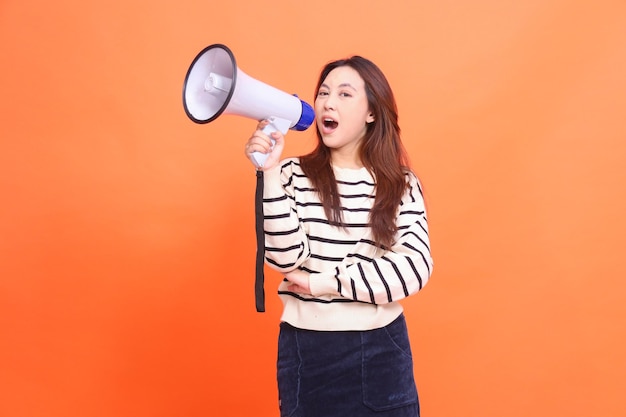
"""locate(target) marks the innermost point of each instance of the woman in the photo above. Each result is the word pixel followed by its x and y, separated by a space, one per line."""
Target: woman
pixel 346 226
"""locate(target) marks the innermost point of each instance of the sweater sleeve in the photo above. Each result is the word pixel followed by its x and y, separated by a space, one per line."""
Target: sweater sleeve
pixel 402 270
pixel 286 242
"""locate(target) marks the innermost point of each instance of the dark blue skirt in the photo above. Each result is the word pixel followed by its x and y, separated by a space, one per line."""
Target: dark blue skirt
pixel 346 373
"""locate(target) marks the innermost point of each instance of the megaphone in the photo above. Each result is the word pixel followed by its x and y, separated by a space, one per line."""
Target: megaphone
pixel 214 85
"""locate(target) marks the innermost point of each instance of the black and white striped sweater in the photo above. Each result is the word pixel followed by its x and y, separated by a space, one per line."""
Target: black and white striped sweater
pixel 355 284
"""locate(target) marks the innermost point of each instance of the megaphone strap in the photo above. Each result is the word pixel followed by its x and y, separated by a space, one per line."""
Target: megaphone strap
pixel 259 291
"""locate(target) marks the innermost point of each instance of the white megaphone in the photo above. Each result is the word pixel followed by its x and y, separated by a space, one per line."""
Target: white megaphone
pixel 214 86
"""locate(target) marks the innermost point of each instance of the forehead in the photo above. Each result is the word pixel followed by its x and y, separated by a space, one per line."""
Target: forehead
pixel 344 76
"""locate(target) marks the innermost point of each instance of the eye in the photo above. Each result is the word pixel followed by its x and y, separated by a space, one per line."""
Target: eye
pixel 345 94
pixel 322 93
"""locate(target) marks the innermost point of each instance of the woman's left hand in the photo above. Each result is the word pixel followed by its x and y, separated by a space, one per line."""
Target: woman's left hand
pixel 299 282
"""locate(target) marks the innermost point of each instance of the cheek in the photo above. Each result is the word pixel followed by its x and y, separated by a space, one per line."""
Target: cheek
pixel 358 123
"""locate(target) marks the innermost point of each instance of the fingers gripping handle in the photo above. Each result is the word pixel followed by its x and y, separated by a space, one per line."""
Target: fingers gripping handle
pixel 275 124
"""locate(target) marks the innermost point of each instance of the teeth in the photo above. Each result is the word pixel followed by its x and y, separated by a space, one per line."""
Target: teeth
pixel 329 123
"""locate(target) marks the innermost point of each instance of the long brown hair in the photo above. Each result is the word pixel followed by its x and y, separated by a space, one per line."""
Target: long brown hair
pixel 381 153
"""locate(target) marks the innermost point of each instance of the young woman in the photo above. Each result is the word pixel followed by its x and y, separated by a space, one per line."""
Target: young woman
pixel 346 226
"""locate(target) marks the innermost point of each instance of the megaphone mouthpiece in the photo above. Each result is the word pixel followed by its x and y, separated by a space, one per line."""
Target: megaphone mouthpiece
pixel 306 118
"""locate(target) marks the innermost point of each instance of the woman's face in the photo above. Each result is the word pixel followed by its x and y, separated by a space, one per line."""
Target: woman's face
pixel 342 110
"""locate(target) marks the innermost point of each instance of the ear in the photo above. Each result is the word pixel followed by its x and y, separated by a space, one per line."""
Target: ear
pixel 370 118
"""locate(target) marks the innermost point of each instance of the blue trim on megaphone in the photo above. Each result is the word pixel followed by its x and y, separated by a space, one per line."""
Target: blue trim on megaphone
pixel 306 118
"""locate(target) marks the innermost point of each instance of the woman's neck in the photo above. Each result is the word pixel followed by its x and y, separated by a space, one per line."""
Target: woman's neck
pixel 345 160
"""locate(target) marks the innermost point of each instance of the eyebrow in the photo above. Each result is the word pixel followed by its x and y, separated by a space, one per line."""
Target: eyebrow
pixel 340 86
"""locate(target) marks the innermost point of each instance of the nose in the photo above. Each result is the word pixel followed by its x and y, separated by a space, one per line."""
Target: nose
pixel 329 103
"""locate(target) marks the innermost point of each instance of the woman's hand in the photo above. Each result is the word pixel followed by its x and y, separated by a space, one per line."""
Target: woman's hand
pixel 260 142
pixel 299 282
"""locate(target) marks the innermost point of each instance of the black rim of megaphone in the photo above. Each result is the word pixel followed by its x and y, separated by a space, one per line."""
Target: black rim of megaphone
pixel 230 93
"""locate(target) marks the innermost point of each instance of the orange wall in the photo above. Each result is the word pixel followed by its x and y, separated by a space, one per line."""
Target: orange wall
pixel 126 231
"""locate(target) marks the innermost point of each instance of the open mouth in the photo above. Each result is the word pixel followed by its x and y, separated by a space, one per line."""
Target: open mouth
pixel 330 123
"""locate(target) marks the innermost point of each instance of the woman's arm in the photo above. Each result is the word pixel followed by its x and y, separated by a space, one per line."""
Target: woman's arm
pixel 286 242
pixel 395 274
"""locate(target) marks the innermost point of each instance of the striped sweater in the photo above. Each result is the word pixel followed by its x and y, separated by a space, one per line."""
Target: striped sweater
pixel 354 284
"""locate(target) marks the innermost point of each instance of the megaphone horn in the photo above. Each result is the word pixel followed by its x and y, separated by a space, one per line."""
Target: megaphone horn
pixel 214 85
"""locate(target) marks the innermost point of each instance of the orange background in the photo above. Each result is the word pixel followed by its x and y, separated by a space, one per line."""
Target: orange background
pixel 127 236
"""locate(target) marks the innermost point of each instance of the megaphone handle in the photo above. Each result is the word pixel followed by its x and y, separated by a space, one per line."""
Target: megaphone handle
pixel 275 124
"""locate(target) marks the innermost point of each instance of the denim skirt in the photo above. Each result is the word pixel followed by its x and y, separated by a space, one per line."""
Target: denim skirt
pixel 346 373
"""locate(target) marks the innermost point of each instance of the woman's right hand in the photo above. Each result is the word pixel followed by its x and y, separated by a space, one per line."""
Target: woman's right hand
pixel 261 142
